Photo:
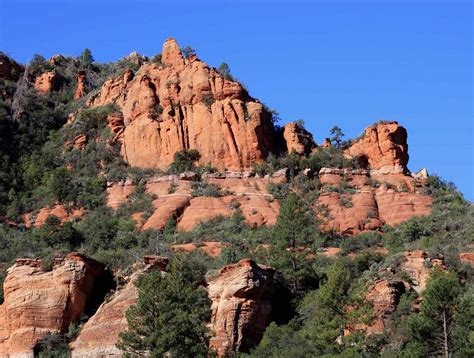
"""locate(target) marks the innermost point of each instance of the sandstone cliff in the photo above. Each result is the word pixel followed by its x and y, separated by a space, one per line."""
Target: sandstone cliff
pixel 39 302
pixel 183 103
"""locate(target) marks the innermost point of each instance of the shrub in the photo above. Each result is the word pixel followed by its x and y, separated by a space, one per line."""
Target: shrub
pixel 184 161
pixel 206 189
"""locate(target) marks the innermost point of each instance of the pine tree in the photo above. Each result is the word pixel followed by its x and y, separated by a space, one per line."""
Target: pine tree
pixel 295 233
pixel 170 314
pixel 430 331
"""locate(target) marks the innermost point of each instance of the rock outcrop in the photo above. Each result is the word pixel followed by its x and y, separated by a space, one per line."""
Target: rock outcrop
pixel 185 104
pixel 81 85
pixel 38 303
pixel 298 139
pixel 47 82
pixel 100 333
pixel 382 148
pixel 62 212
pixel 175 200
pixel 9 69
pixel 417 266
pixel 241 306
pixel 353 201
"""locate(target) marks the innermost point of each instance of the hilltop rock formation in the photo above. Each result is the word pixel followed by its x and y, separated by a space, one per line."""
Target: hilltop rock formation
pixel 39 302
pixel 9 69
pixel 241 306
pixel 298 139
pixel 382 148
pixel 100 333
pixel 47 82
pixel 185 104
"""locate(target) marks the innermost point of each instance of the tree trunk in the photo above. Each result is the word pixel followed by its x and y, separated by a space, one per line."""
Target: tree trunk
pixel 445 335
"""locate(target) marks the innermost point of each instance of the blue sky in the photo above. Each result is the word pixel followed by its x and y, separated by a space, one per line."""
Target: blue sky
pixel 349 63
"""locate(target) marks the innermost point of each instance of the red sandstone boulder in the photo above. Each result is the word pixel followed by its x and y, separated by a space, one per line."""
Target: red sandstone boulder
pixel 62 212
pixel 383 147
pixel 47 82
pixel 241 306
pixel 467 257
pixel 298 139
pixel 39 302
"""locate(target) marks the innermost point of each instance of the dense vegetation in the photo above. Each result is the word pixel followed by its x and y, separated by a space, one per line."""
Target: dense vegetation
pixel 40 166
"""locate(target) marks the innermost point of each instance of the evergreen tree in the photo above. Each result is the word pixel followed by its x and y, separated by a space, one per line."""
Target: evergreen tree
pixel 429 332
pixel 170 315
pixel 295 233
pixel 323 311
pixel 224 70
pixel 337 135
pixel 86 58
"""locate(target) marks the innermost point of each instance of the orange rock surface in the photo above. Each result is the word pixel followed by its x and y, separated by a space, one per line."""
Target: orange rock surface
pixel 100 333
pixel 383 147
pixel 418 265
pixel 467 257
pixel 298 139
pixel 47 82
pixel 184 103
pixel 241 306
pixel 59 210
pixel 353 201
pixel 81 85
pixel 38 302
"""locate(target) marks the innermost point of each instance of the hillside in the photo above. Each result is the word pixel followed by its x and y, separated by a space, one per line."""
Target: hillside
pixel 162 182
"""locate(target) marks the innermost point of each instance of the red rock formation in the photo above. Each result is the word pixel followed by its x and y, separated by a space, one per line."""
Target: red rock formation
pixel 185 104
pixel 80 142
pixel 81 85
pixel 59 210
pixel 101 332
pixel 418 265
pixel 38 302
pixel 383 147
pixel 384 295
pixel 353 201
pixel 467 257
pixel 9 69
pixel 212 248
pixel 298 139
pixel 241 306
pixel 47 82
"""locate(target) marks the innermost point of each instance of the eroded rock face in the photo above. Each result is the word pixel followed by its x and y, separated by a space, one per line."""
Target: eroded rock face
pixel 353 201
pixel 174 199
pixel 185 104
pixel 241 306
pixel 81 85
pixel 417 266
pixel 47 82
pixel 38 302
pixel 9 69
pixel 298 139
pixel 383 148
pixel 100 333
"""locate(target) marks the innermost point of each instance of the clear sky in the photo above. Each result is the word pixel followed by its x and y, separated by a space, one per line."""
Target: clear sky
pixel 349 63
